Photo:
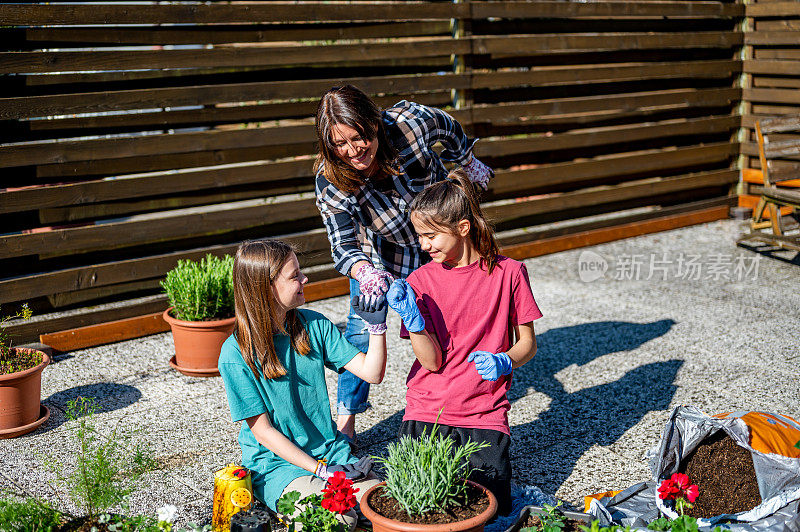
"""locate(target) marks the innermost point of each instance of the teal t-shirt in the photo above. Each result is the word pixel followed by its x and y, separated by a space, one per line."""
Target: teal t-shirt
pixel 297 404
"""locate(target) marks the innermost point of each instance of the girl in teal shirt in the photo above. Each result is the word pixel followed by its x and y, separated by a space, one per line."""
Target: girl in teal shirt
pixel 273 368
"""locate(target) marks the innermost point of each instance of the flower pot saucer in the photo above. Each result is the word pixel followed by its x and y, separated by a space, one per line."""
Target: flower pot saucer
pixel 44 415
pixel 194 372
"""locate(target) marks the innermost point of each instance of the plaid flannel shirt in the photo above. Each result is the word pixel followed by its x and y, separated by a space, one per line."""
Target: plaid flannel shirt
pixel 373 224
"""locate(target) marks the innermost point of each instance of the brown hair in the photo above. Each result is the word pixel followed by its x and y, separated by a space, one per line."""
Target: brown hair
pixel 447 202
pixel 255 267
pixel 349 106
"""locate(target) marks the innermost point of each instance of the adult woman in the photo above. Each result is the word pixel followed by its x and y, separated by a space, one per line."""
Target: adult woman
pixel 370 165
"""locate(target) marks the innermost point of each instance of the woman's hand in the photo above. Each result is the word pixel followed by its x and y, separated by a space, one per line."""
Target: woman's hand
pixel 403 300
pixel 478 173
pixel 372 281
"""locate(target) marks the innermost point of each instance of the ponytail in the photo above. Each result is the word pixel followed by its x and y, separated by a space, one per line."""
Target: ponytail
pixel 447 202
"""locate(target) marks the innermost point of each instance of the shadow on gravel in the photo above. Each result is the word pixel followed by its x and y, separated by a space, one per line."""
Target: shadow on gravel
pixel 546 449
pixel 108 396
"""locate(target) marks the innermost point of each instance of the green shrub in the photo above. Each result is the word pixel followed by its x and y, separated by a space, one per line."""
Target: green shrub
pixel 201 290
pixel 427 474
pixel 12 361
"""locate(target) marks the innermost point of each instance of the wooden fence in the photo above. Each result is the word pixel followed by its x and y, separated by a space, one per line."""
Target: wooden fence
pixel 771 84
pixel 135 135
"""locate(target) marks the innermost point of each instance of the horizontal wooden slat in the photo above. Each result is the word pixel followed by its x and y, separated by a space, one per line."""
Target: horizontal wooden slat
pixel 619 165
pixel 784 68
pixel 789 96
pixel 105 333
pixel 517 9
pixel 310 243
pixel 608 135
pixel 229 34
pixel 647 188
pixel 584 74
pixel 524 45
pixel 772 38
pixel 782 148
pixel 87 102
pixel 267 54
pixel 216 13
pixel 155 227
pixel 773 9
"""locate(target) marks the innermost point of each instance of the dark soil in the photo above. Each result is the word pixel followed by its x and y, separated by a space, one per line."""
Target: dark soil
pixel 476 502
pixel 83 524
pixel 18 360
pixel 570 525
pixel 725 475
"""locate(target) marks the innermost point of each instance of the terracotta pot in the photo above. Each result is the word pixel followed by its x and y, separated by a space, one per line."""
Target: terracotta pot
pixel 21 410
pixel 384 524
pixel 197 344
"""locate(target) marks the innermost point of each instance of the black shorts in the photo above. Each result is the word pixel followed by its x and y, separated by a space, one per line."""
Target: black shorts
pixel 493 462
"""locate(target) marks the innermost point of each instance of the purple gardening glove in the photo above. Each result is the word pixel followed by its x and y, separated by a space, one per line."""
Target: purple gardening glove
pixel 372 281
pixel 491 366
pixel 478 173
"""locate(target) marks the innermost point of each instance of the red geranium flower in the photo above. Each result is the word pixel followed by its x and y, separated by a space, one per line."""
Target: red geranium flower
pixel 338 494
pixel 679 488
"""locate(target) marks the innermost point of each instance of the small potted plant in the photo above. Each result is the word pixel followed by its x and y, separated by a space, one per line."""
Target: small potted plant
pixel 21 369
pixel 426 488
pixel 201 313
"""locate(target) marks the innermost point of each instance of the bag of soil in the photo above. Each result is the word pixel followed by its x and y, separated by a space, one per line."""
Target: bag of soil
pixel 745 463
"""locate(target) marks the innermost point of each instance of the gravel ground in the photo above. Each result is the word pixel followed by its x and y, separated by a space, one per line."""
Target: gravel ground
pixel 679 317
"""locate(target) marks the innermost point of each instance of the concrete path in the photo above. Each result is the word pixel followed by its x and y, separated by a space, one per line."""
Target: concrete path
pixel 680 317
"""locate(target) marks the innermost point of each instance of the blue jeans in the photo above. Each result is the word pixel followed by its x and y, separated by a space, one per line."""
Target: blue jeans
pixel 352 392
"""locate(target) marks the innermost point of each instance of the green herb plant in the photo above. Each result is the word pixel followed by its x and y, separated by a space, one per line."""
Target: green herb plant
pixel 201 290
pixel 12 361
pixel 595 527
pixel 107 470
pixel 312 515
pixel 427 474
pixel 552 520
pixel 682 523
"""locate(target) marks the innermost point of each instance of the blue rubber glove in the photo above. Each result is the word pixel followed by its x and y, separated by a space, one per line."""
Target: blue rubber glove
pixel 372 310
pixel 403 300
pixel 491 366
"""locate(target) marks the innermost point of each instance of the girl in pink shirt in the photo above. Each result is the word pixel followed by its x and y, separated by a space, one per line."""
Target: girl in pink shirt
pixel 469 314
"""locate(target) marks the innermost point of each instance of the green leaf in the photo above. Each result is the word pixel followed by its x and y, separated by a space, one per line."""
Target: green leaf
pixel 287 503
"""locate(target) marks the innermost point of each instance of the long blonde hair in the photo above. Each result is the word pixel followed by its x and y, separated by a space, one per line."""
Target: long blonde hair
pixel 447 202
pixel 257 264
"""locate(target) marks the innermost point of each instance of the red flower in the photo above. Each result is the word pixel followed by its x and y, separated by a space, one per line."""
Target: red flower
pixel 240 473
pixel 692 492
pixel 682 481
pixel 338 494
pixel 668 489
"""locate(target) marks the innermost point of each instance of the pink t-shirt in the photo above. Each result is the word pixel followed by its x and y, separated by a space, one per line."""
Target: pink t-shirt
pixel 468 310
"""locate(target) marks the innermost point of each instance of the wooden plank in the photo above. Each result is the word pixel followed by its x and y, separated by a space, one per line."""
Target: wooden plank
pixel 172 182
pixel 504 212
pixel 105 333
pixel 572 172
pixel 783 68
pixel 228 34
pixel 787 96
pixel 608 135
pixel 120 13
pixel 772 9
pixel 532 112
pixel 87 102
pixel 772 38
pixel 266 54
pixel 584 74
pixel 525 45
pixel 159 227
pixel 776 53
pixel 601 236
pixel 607 10
pixel 313 245
pixel 763 81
